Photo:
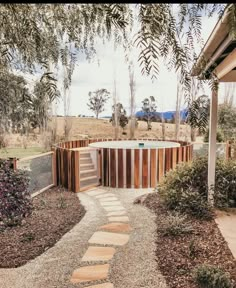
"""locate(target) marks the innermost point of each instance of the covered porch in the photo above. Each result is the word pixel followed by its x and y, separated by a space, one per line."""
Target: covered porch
pixel 217 61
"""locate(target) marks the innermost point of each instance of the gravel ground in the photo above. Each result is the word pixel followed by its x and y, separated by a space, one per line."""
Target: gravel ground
pixel 133 265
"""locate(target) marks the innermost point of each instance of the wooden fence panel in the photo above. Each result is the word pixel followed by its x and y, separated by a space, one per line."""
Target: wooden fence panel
pixel 153 167
pixel 128 168
pixel 113 167
pixel 136 169
pixel 145 169
pixel 120 169
pixel 161 167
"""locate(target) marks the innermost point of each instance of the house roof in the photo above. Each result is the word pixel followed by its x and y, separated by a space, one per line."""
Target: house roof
pixel 218 46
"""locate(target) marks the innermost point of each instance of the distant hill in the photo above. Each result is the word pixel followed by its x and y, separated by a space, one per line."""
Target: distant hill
pixel 168 115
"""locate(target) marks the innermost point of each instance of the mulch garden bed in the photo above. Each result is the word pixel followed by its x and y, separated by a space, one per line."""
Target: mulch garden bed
pixel 55 212
pixel 174 257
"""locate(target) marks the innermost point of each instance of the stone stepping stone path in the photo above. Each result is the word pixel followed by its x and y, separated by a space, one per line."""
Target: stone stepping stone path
pixel 98 253
pixel 116 227
pixel 104 285
pixel 109 238
pixel 114 233
pixel 119 219
pixel 90 273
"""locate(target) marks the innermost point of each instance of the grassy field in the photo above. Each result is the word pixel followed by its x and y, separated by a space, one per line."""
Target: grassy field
pixel 84 128
pixel 91 127
pixel 20 152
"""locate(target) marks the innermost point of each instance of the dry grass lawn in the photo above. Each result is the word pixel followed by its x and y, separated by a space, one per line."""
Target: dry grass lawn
pixel 90 127
pixel 84 128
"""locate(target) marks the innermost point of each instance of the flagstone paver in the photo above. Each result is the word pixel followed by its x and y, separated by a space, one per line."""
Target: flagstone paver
pixel 95 192
pixel 113 208
pixel 98 253
pixel 118 219
pixel 109 238
pixel 110 203
pixel 105 195
pixel 116 227
pixel 104 285
pixel 90 273
pixel 116 213
pixel 108 198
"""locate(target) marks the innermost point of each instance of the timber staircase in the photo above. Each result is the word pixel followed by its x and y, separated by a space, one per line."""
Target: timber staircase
pixel 88 173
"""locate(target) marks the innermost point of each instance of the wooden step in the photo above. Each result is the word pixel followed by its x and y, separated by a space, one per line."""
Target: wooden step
pixel 88 173
pixel 84 167
pixel 88 181
pixel 86 161
pixel 88 178
pixel 85 155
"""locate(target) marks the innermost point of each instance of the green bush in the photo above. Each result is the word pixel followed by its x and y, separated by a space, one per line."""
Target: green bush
pixel 219 136
pixel 185 188
pixel 174 224
pixel 15 200
pixel 207 276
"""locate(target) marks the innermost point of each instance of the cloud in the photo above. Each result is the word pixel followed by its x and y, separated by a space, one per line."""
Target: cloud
pixel 91 76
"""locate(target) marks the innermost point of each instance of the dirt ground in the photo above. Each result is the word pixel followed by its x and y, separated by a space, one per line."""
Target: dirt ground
pixel 178 256
pixel 55 212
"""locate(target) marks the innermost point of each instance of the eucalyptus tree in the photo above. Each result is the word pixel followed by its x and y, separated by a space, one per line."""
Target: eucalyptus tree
pixel 198 113
pixel 31 34
pixel 15 103
pixel 149 108
pixel 97 100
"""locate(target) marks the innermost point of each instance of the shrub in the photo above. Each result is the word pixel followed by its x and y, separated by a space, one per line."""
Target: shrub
pixel 15 200
pixel 174 225
pixel 185 188
pixel 211 277
pixel 219 136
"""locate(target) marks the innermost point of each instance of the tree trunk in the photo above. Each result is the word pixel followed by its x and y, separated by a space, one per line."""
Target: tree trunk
pixel 193 134
pixel 132 100
pixel 163 127
pixel 177 112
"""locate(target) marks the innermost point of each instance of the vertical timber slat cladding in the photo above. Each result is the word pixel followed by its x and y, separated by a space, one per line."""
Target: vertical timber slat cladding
pixel 117 171
pixel 72 171
pixel 62 167
pixel 174 157
pixel 136 168
pixel 145 169
pixel 120 169
pixel 98 157
pixel 187 154
pixel 58 166
pixel 128 168
pixel 77 171
pixel 160 164
pixel 180 153
pixel 65 168
pixel 184 153
pixel 167 159
pixel 69 169
pixel 153 163
pixel 105 164
pixel 113 167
